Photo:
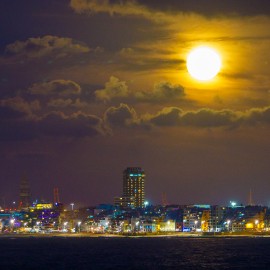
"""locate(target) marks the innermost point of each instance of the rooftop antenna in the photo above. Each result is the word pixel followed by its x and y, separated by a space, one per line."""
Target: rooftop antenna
pixel 56 196
pixel 250 202
pixel 164 199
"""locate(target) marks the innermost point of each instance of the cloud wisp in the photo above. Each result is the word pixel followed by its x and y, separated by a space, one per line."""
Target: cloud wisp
pixel 116 90
pixel 46 45
pixel 208 118
pixel 64 88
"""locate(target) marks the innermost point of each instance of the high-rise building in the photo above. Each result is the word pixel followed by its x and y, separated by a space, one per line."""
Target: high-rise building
pixel 124 202
pixel 25 194
pixel 133 185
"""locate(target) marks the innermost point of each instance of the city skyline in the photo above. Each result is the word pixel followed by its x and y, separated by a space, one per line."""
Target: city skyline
pixel 129 200
pixel 88 88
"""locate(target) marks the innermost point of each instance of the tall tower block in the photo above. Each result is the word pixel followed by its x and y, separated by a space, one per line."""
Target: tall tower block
pixel 133 185
pixel 25 194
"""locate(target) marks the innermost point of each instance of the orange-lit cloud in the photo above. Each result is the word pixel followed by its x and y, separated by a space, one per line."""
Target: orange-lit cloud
pixel 118 90
pixel 55 87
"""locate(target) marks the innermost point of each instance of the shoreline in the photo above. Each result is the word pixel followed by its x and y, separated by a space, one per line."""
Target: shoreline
pixel 91 235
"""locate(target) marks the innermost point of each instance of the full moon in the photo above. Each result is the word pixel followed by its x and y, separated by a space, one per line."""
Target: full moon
pixel 203 63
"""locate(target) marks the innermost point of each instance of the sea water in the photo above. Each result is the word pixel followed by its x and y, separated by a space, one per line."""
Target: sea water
pixel 134 253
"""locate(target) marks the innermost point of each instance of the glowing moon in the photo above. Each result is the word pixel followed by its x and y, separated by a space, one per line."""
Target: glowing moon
pixel 203 63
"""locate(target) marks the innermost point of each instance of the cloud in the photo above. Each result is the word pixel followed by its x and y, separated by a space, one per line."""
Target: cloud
pixel 161 91
pixel 168 116
pixel 53 124
pixel 142 63
pixel 203 118
pixel 60 103
pixel 17 107
pixel 120 116
pixel 114 89
pixel 208 118
pixel 257 116
pixel 118 90
pixel 149 8
pixel 126 52
pixel 42 46
pixel 211 7
pixel 58 94
pixel 124 7
pixel 77 125
pixel 69 103
pixel 64 88
pixel 19 121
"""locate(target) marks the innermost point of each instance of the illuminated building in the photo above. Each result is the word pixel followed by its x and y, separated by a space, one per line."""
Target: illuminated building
pixel 124 202
pixel 133 185
pixel 192 217
pixel 216 216
pixel 167 226
pixel 205 220
pixel 41 206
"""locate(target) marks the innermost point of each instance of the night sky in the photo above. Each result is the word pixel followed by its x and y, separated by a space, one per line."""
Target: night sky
pixel 90 87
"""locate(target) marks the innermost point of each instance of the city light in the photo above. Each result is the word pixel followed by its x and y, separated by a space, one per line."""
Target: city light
pixel 196 222
pixel 233 204
pixel 79 226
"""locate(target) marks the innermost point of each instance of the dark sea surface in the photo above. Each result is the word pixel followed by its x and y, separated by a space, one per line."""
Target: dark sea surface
pixel 134 253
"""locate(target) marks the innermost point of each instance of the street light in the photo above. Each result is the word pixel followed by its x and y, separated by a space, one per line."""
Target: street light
pixel 122 226
pixel 196 222
pixel 65 224
pixel 79 226
pixel 12 224
pixel 256 223
pixel 228 222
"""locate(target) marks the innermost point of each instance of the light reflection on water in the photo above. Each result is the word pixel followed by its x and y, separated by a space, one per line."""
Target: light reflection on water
pixel 135 253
